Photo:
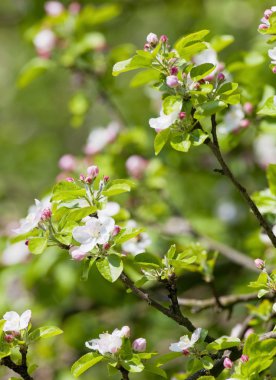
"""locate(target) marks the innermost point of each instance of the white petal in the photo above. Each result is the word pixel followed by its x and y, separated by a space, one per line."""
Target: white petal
pixel 163 121
pixel 195 336
pixel 272 53
pixel 92 344
pixel 11 315
pixel 88 246
pixel 12 325
pixel 81 234
pixel 25 319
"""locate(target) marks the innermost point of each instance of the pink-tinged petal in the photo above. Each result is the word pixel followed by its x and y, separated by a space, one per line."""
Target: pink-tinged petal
pixel 25 319
pixel 81 234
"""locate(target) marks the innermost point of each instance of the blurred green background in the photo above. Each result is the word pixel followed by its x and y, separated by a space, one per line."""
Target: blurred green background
pixel 35 131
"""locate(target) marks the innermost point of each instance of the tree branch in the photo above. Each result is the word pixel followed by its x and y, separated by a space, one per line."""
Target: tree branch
pixel 215 148
pixel 225 301
pixel 124 373
pixel 20 369
pixel 177 317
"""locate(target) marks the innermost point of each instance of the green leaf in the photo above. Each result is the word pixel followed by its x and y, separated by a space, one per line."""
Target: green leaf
pixel 79 104
pixel 44 332
pixel 110 267
pixel 171 252
pixel 171 104
pixel 155 370
pixel 269 108
pixel 118 186
pixel 126 235
pixel 209 108
pixel 64 191
pixel 148 260
pixel 207 362
pixel 145 77
pixel 133 365
pixel 33 69
pixel 201 71
pixel 189 51
pixel 227 88
pixel 262 292
pixel 164 359
pixel 221 42
pixel 88 264
pixel 223 343
pixel 271 176
pixel 37 245
pixel 181 142
pixel 5 349
pixel 85 362
pixel 192 37
pixel 136 62
pixel 160 140
pixel 198 137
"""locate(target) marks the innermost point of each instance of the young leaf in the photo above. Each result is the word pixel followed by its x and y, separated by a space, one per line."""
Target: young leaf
pixel 223 343
pixel 160 140
pixel 209 108
pixel 269 108
pixel 192 37
pixel 201 71
pixel 118 186
pixel 181 142
pixel 85 362
pixel 110 267
pixel 44 332
pixel 37 245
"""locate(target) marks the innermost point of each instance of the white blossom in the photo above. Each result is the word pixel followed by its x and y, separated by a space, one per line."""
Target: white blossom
pixel 45 41
pixel 100 137
pixel 232 119
pixel 138 244
pixel 95 231
pixel 265 149
pixel 15 253
pixel 34 216
pixel 165 121
pixel 110 209
pixel 107 343
pixel 185 342
pixel 272 55
pixel 15 322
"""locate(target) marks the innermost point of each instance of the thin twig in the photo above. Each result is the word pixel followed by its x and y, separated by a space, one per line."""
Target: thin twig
pixel 124 373
pixel 20 369
pixel 215 148
pixel 179 318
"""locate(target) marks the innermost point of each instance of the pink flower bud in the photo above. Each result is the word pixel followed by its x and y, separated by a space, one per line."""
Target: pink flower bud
pixel 106 178
pixel 106 246
pixel 248 108
pixel 274 70
pixel 172 81
pixel 82 177
pixel 46 214
pixel 208 78
pixel 244 358
pixel 9 338
pixel 88 179
pixel 70 179
pixel 93 171
pixel 174 70
pixel 221 77
pixel 164 38
pixel 244 123
pixel 146 47
pixel 139 345
pixel 77 254
pixel 53 8
pixel 186 352
pixel 248 332
pixel 227 363
pixel 263 27
pixel 220 66
pixel 182 115
pixel 152 39
pixel 136 166
pixel 116 230
pixel 44 43
pixel 74 8
pixel 259 263
pixel 67 162
pixel 196 86
pixel 27 242
pixel 267 13
pixel 125 330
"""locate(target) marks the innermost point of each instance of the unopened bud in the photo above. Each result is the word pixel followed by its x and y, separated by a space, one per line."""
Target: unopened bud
pixel 221 77
pixel 93 171
pixel 267 13
pixel 146 47
pixel 244 358
pixel 106 178
pixel 248 108
pixel 88 179
pixel 82 177
pixel 116 230
pixel 174 70
pixel 244 123
pixel 260 264
pixel 172 81
pixel 164 38
pixel 8 338
pixel 152 39
pixel 263 27
pixel 139 345
pixel 46 214
pixel 274 70
pixel 74 8
pixel 77 254
pixel 186 352
pixel 227 363
pixel 53 8
pixel 125 330
pixel 106 246
pixel 67 162
pixel 27 242
pixel 182 115
pixel 70 179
